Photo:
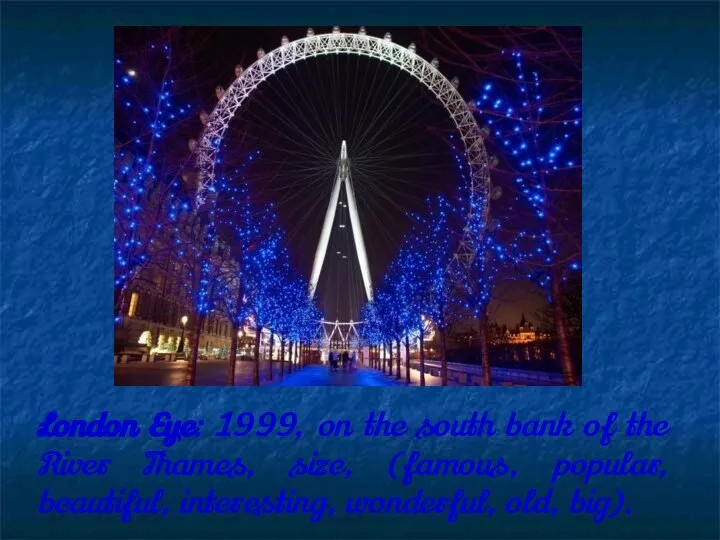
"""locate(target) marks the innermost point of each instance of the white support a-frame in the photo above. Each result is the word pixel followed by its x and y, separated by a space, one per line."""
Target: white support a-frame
pixel 342 178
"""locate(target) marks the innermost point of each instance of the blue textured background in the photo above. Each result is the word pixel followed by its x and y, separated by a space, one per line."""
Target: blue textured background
pixel 650 275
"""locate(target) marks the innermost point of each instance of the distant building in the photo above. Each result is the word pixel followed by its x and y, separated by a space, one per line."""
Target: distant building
pixel 155 310
pixel 524 332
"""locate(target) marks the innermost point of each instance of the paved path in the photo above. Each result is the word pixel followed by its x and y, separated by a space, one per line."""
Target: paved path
pixel 209 373
pixel 324 376
pixel 214 373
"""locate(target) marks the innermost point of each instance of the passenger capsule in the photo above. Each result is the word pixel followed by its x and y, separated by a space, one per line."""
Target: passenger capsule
pixel 362 31
pixel 336 29
pixel 412 47
pixel 260 53
pixel 435 63
pixel 284 40
pixel 238 71
pixel 219 92
pixel 388 36
pixel 310 32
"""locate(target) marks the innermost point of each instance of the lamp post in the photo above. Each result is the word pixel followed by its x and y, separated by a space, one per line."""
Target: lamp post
pixel 184 321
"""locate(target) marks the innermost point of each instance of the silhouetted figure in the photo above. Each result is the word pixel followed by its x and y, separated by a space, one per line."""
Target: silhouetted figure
pixel 345 360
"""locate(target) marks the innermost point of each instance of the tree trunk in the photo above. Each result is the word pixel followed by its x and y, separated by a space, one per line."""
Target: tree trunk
pixel 422 355
pixel 397 372
pixel 390 361
pixel 233 355
pixel 384 357
pixel 282 357
pixel 292 353
pixel 443 358
pixel 192 361
pixel 484 350
pixel 302 355
pixel 407 358
pixel 272 342
pixel 256 367
pixel 568 367
pixel 119 300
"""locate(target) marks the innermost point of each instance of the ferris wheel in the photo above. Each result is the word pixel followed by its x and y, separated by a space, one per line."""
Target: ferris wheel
pixel 383 49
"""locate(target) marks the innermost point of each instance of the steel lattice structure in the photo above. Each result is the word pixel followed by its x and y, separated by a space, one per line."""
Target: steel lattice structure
pixel 342 179
pixel 340 331
pixel 385 50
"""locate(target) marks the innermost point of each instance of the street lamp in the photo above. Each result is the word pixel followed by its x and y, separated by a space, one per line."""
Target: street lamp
pixel 184 321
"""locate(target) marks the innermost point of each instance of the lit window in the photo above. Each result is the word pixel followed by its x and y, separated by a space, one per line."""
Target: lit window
pixel 133 304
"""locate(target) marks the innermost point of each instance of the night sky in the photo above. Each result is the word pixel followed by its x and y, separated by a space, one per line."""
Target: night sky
pixel 395 130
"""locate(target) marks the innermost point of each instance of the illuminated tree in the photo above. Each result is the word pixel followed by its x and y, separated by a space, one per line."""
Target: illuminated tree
pixel 262 285
pixel 276 304
pixel 530 98
pixel 293 298
pixel 372 330
pixel 436 286
pixel 148 192
pixel 384 309
pixel 395 309
pixel 405 288
pixel 245 228
pixel 535 124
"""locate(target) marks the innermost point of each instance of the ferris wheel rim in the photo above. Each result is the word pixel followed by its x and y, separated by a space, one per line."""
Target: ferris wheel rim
pixel 383 50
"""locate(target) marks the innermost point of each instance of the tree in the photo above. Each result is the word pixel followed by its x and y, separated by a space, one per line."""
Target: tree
pixel 530 102
pixel 396 294
pixel 262 286
pixel 479 280
pixel 199 259
pixel 536 124
pixel 435 281
pixel 571 297
pixel 293 299
pixel 246 228
pixel 148 191
pixel 277 302
pixel 372 328
pixel 412 287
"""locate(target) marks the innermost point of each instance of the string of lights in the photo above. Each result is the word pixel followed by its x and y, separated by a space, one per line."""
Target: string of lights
pixel 146 182
pixel 538 134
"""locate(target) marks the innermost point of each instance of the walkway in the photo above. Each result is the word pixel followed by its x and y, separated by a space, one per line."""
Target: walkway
pixel 209 373
pixel 324 376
